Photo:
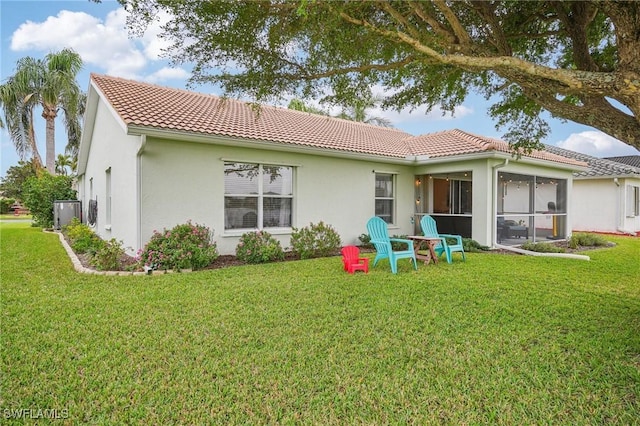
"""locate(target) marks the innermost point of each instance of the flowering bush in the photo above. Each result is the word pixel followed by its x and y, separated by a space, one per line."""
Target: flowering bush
pixel 315 241
pixel 107 255
pixel 259 247
pixel 185 246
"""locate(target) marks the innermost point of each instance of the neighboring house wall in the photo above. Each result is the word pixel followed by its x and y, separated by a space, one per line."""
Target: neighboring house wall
pixel 112 153
pixel 185 181
pixel 631 194
pixel 602 205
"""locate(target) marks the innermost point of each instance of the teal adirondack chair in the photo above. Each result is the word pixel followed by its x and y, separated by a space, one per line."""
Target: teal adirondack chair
pixel 429 229
pixel 379 234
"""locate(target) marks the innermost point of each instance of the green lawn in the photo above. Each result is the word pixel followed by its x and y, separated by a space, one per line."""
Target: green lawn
pixel 500 339
pixel 14 217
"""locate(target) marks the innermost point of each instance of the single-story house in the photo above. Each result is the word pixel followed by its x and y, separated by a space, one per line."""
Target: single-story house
pixel 152 157
pixel 606 196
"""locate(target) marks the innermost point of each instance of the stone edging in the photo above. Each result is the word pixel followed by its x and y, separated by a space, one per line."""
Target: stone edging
pixel 77 265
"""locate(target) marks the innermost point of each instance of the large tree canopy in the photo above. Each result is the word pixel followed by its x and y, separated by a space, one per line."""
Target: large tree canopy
pixel 578 60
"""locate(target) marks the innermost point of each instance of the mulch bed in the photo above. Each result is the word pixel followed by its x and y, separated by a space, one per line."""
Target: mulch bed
pixel 225 261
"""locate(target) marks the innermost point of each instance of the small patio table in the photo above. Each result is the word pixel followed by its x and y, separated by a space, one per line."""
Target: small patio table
pixel 420 241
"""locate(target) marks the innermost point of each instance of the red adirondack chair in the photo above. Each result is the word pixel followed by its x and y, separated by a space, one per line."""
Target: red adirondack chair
pixel 352 261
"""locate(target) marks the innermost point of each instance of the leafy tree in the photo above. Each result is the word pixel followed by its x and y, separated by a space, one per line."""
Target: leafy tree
pixel 50 84
pixel 40 192
pixel 578 60
pixel 5 205
pixel 12 183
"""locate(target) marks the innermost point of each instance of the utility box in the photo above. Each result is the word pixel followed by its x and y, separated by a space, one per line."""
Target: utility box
pixel 64 211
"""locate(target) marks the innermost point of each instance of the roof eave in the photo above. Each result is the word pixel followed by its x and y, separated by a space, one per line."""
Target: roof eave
pixel 611 176
pixel 500 155
pixel 235 141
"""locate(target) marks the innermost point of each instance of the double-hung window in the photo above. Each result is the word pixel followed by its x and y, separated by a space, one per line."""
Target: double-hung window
pixel 257 196
pixel 385 196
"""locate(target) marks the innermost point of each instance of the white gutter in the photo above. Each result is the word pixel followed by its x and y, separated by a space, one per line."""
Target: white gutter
pixel 143 144
pixel 265 144
pixel 328 151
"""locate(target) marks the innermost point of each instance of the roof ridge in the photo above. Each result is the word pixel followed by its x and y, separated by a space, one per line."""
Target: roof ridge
pixel 248 103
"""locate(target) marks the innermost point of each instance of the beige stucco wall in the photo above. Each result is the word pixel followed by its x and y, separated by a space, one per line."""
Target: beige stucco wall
pixel 112 148
pixel 180 181
pixel 184 181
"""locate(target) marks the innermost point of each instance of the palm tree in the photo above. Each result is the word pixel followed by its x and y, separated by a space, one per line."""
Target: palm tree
pixel 299 105
pixel 51 84
pixel 18 118
pixel 63 162
pixel 358 112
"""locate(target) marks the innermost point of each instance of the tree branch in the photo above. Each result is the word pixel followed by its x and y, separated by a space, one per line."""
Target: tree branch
pixel 362 68
pixel 595 112
pixel 452 19
pixel 570 82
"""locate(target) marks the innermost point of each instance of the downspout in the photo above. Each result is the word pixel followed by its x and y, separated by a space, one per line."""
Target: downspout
pixel 494 200
pixel 143 143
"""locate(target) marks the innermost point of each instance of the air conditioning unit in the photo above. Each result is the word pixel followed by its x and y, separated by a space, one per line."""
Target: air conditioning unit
pixel 64 211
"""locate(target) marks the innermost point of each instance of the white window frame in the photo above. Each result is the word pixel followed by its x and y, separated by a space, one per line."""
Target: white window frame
pixel 260 196
pixel 633 201
pixel 392 220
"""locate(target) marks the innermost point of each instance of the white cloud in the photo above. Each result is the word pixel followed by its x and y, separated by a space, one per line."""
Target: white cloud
pixel 407 116
pixel 596 144
pixel 167 73
pixel 103 45
pixel 154 46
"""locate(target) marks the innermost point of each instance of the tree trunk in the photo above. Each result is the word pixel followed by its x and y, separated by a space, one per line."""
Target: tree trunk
pixel 34 147
pixel 49 114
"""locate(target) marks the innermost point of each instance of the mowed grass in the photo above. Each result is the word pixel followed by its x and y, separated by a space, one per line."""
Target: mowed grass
pixel 498 339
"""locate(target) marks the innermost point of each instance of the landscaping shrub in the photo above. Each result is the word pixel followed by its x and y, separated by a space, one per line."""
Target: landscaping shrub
pixel 107 255
pixel 586 240
pixel 365 241
pixel 319 240
pixel 40 193
pixel 542 247
pixel 5 205
pixel 185 246
pixel 471 246
pixel 81 237
pixel 400 246
pixel 259 247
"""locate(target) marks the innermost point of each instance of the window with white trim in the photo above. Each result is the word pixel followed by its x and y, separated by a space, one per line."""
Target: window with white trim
pixel 385 197
pixel 633 201
pixel 257 196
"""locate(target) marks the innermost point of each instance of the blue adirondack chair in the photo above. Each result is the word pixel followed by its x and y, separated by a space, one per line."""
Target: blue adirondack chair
pixel 379 234
pixel 429 229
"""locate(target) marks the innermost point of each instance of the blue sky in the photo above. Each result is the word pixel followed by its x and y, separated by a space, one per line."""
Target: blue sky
pixel 97 32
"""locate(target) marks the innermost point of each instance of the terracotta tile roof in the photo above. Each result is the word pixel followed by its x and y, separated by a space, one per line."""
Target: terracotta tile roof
pixel 456 142
pixel 173 109
pixel 597 166
pixel 148 105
